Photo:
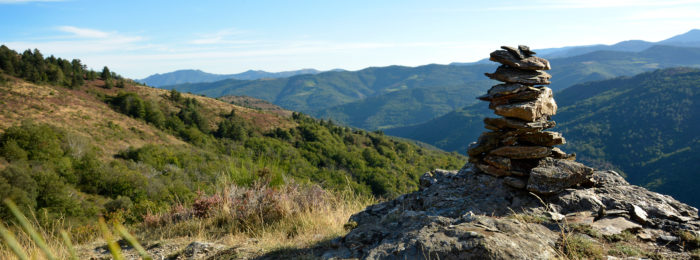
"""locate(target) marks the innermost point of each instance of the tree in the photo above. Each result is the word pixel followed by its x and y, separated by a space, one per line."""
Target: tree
pixel 106 74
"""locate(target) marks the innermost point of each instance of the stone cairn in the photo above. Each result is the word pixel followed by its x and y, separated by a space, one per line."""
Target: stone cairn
pixel 517 146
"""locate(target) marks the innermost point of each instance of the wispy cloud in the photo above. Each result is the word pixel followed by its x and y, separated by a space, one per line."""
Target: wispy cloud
pixel 26 1
pixel 590 4
pixel 225 36
pixel 83 32
pixel 664 13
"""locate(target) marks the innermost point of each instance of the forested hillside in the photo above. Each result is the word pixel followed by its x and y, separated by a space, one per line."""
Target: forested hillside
pixel 83 147
pixel 644 125
pixel 395 96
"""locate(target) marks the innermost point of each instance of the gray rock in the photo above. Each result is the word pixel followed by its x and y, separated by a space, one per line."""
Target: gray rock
pixel 514 52
pixel 608 178
pixel 614 226
pixel 559 154
pixel 505 89
pixel 487 142
pixel 529 94
pixel 555 175
pixel 464 214
pixel 544 138
pixel 668 239
pixel 530 111
pixel 525 50
pixel 638 214
pixel 492 170
pixel 521 152
pixel 515 182
pixel 498 161
pixel 527 63
pixel 527 77
pixel 517 124
pixel 510 91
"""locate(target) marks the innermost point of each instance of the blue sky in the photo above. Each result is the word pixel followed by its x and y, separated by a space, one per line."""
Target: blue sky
pixel 139 38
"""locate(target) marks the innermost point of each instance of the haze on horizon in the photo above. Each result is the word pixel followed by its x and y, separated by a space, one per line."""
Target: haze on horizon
pixel 140 38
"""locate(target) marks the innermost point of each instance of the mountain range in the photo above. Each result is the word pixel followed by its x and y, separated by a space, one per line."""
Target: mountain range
pixel 197 76
pixel 396 96
pixel 645 126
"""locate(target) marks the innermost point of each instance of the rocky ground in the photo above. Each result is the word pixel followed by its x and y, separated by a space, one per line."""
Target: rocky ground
pixel 467 214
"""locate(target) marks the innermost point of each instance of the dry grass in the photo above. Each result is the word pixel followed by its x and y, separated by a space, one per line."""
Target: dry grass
pixel 259 219
pixel 84 112
pixel 254 221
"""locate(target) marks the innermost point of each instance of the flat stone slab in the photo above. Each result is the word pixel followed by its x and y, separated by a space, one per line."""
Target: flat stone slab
pixel 544 138
pixel 487 141
pixel 513 75
pixel 529 94
pixel 529 63
pixel 614 226
pixel 530 111
pixel 583 217
pixel 498 161
pixel 521 152
pixel 503 123
pixel 555 175
pixel 492 170
pixel 559 154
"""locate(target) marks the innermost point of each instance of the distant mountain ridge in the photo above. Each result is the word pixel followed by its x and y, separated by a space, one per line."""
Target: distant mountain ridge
pixel 688 39
pixel 645 125
pixel 198 76
pixel 396 96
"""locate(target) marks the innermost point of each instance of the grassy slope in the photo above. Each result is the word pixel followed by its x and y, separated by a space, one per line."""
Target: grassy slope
pixel 83 112
pixel 316 151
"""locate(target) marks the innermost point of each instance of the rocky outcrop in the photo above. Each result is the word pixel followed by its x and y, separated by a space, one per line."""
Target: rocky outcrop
pixel 519 197
pixel 467 214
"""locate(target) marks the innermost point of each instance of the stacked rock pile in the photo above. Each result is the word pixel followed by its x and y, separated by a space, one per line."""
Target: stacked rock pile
pixel 517 145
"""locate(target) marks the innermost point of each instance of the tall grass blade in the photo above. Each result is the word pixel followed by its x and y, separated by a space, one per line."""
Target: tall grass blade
pixel 111 244
pixel 12 243
pixel 132 240
pixel 69 245
pixel 24 222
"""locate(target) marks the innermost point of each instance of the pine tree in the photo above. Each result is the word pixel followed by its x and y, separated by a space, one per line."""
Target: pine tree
pixel 105 73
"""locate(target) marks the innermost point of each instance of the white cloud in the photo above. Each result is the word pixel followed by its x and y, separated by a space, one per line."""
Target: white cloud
pixel 26 1
pixel 664 13
pixel 221 37
pixel 84 32
pixel 579 4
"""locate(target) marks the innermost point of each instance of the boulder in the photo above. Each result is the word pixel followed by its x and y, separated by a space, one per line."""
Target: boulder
pixel 530 111
pixel 554 175
pixel 527 77
pixel 522 152
pixel 528 63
